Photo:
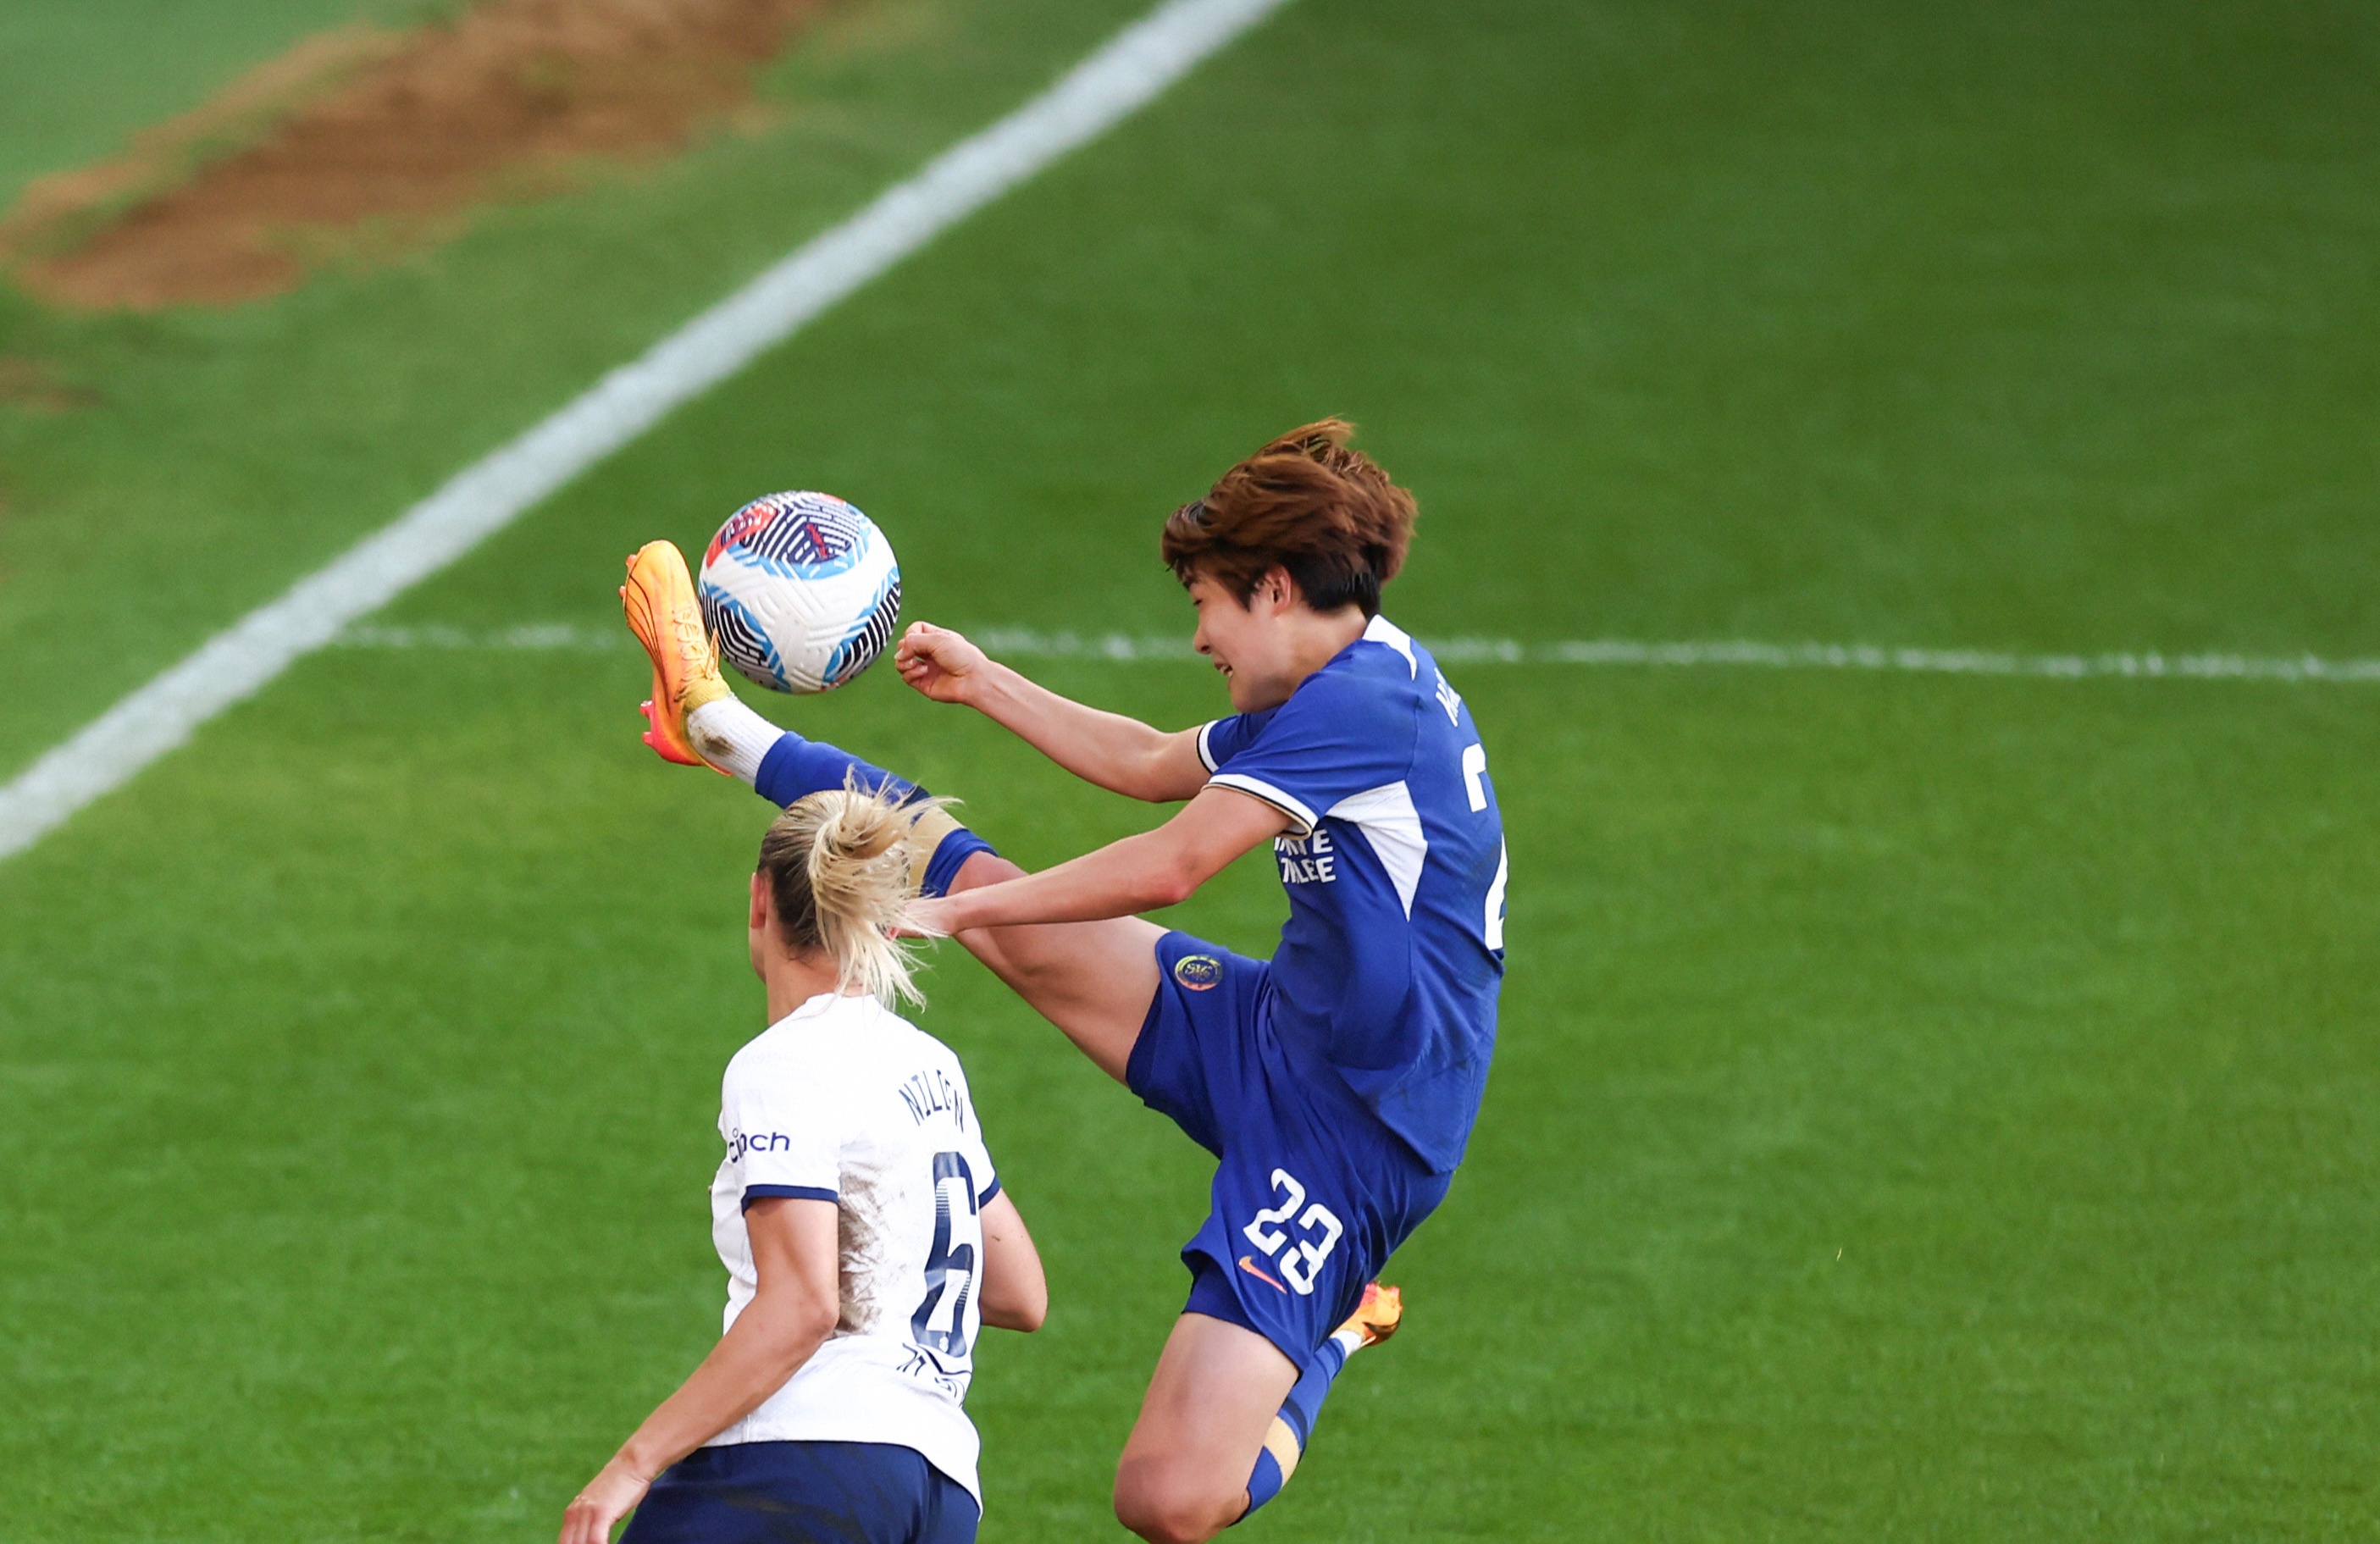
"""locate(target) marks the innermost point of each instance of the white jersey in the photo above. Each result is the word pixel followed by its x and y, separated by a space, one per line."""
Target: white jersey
pixel 843 1100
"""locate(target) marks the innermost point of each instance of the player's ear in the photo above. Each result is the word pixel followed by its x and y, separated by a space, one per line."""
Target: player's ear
pixel 762 904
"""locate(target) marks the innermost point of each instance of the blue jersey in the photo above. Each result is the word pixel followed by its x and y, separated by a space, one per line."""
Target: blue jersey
pixel 1390 961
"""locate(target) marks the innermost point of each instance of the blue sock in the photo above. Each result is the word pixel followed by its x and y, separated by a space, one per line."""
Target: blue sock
pixel 949 855
pixel 795 768
pixel 1265 1484
pixel 1304 1401
pixel 1298 1413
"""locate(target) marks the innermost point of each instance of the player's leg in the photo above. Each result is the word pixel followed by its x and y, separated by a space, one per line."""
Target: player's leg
pixel 1216 1394
pixel 1092 979
pixel 1373 1320
pixel 1227 1418
pixel 1310 1198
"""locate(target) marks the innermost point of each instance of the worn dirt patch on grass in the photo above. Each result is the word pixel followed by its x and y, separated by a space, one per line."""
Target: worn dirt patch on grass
pixel 30 384
pixel 376 142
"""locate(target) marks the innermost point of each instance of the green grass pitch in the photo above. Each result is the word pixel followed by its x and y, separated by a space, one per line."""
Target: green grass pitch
pixel 1928 1107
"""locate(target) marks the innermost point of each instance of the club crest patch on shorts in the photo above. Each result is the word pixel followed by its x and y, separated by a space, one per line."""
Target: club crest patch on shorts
pixel 1198 972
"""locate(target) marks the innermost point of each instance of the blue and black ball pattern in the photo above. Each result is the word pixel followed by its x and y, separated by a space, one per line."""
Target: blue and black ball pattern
pixel 858 650
pixel 796 536
pixel 801 590
pixel 742 643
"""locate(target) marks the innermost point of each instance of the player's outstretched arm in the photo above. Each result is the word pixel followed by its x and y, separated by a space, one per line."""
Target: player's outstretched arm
pixel 1121 755
pixel 795 1255
pixel 1146 872
pixel 1015 1293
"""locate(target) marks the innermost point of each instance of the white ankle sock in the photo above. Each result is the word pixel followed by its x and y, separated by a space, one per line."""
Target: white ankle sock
pixel 732 737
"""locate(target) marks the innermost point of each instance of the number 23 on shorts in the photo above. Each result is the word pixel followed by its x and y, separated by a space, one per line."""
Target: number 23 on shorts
pixel 1318 1229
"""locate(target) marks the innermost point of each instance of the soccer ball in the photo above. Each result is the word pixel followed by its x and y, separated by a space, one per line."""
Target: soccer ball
pixel 801 590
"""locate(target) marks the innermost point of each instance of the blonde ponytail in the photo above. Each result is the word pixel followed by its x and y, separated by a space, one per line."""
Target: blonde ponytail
pixel 839 866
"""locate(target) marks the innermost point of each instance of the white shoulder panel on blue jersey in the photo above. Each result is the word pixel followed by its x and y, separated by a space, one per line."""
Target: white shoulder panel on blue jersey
pixel 1380 629
pixel 1387 818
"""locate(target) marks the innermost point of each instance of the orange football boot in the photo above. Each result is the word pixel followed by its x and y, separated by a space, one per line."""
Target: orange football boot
pixel 667 619
pixel 1375 1318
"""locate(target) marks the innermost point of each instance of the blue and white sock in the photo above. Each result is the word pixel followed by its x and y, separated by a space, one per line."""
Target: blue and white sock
pixel 783 768
pixel 1285 1443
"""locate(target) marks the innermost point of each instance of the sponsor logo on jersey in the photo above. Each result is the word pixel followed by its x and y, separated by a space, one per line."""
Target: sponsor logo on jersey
pixel 1311 859
pixel 1198 972
pixel 1248 1263
pixel 759 1141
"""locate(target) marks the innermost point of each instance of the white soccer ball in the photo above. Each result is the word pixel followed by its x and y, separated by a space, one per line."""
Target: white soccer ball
pixel 802 591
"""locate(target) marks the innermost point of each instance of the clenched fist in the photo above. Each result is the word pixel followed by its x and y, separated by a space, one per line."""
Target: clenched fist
pixel 938 662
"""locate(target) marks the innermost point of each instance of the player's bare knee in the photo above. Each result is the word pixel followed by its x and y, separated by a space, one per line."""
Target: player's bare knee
pixel 1163 1505
pixel 1161 1525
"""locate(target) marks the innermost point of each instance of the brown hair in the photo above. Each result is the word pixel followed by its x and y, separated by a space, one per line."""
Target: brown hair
pixel 1304 503
pixel 838 868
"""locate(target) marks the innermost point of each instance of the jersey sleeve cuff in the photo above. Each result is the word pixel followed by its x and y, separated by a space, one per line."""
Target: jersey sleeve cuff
pixel 988 1192
pixel 797 1192
pixel 1205 751
pixel 1287 803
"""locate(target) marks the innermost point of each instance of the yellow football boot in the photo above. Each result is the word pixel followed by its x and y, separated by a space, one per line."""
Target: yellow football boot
pixel 667 619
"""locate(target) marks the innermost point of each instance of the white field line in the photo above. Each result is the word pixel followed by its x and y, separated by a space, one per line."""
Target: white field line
pixel 1026 643
pixel 1128 72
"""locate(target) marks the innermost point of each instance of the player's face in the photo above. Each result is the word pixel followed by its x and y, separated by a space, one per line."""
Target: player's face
pixel 1247 642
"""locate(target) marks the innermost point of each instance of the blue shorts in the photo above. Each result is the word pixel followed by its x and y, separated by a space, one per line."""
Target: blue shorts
pixel 1312 1192
pixel 804 1494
